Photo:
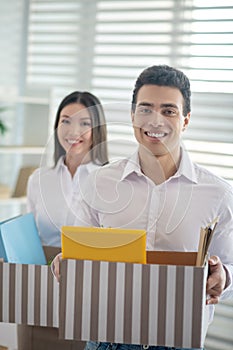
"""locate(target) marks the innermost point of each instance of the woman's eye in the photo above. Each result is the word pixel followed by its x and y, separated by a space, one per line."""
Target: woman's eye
pixel 85 124
pixel 65 121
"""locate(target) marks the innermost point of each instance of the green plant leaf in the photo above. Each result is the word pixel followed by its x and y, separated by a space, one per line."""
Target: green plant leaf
pixel 3 128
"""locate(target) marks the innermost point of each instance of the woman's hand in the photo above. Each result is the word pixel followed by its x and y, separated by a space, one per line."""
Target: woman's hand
pixel 55 266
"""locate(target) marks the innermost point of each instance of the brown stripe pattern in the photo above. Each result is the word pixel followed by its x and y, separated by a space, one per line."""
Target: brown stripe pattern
pixel 132 303
pixel 29 294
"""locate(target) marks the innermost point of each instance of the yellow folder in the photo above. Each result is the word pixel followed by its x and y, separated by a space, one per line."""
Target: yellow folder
pixel 107 244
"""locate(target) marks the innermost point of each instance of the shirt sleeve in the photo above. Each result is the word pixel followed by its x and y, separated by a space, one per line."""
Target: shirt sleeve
pixel 222 242
pixel 84 211
pixel 31 194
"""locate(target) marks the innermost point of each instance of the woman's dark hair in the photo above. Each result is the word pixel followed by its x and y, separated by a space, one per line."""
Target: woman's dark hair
pixel 163 75
pixel 99 153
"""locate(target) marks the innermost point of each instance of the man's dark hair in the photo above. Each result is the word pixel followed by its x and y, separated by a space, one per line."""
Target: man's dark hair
pixel 164 75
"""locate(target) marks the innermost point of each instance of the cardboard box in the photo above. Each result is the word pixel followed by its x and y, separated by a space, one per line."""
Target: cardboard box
pixel 29 294
pixel 20 189
pixel 4 191
pixel 155 304
pixel 34 337
pixel 44 338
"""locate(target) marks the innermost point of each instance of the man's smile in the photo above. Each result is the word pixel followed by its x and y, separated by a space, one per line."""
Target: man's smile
pixel 155 134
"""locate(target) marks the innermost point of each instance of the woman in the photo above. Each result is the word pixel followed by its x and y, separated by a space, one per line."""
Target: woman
pixel 80 146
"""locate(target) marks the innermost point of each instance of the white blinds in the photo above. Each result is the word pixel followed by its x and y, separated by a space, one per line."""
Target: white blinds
pixel 220 336
pixel 102 45
pixel 194 36
pixel 130 35
pixel 53 43
pixel 109 42
pixel 11 29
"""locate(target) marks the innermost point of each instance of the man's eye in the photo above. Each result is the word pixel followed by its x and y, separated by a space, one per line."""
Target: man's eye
pixel 144 111
pixel 170 112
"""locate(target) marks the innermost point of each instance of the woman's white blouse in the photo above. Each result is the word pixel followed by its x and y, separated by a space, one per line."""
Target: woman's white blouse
pixel 50 196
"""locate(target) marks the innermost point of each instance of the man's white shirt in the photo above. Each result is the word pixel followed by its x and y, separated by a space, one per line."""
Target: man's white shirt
pixel 172 213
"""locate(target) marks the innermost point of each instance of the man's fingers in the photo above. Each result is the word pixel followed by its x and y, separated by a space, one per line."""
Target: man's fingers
pixel 216 280
pixel 214 260
pixel 212 300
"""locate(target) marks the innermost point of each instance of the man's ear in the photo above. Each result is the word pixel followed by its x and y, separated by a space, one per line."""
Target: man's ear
pixel 186 121
pixel 132 115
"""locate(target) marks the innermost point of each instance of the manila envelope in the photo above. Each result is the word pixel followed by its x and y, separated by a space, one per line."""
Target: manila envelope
pixel 106 244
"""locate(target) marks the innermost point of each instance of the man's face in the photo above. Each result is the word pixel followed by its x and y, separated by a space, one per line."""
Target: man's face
pixel 158 118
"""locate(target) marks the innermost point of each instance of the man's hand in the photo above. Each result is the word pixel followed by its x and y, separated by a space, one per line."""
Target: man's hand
pixel 216 280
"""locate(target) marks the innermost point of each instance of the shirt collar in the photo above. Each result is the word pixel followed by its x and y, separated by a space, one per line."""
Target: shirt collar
pixel 185 169
pixel 91 166
pixel 132 166
pixel 88 166
pixel 60 164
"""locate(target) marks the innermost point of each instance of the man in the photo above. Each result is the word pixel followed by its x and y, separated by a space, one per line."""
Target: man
pixel 159 189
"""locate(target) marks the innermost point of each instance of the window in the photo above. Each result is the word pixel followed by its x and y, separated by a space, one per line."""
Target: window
pixel 102 45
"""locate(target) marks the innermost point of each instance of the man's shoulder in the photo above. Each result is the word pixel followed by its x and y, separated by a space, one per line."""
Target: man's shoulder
pixel 113 170
pixel 102 184
pixel 206 176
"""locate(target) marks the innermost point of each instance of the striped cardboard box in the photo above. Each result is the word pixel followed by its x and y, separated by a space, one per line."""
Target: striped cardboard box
pixel 29 294
pixel 133 303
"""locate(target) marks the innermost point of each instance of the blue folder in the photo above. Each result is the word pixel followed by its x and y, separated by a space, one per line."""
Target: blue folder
pixel 2 248
pixel 21 241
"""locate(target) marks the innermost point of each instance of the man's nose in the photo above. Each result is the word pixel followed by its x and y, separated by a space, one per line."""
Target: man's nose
pixel 156 119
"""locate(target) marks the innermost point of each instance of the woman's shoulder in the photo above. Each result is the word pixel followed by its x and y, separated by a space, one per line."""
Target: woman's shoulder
pixel 41 172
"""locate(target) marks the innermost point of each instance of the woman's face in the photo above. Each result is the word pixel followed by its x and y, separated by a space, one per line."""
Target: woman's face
pixel 75 130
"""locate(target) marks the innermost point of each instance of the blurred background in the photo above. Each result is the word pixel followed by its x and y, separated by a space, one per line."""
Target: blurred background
pixel 52 47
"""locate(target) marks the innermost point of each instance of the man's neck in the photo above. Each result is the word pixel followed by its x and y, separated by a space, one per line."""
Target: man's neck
pixel 158 168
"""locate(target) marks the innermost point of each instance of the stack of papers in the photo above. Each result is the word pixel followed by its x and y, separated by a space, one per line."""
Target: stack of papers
pixel 206 235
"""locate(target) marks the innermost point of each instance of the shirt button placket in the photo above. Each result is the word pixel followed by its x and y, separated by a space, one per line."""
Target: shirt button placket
pixel 153 216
